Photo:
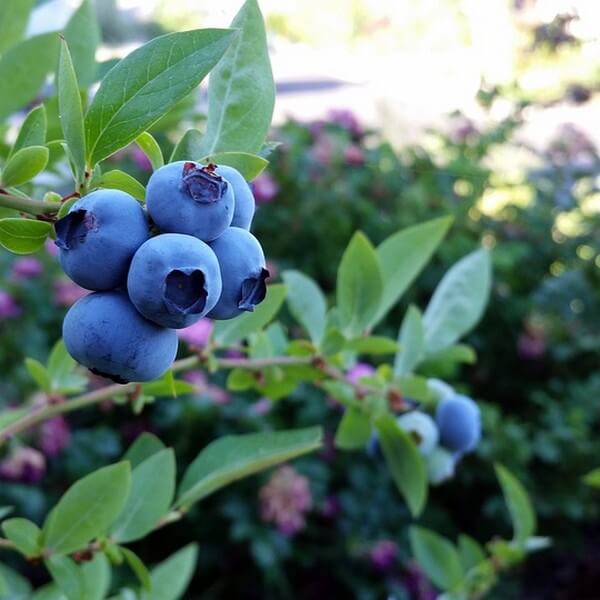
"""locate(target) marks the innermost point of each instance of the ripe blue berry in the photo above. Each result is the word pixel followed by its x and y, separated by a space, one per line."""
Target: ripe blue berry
pixel 105 333
pixel 422 428
pixel 243 273
pixel 174 280
pixel 185 197
pixel 244 198
pixel 98 237
pixel 459 421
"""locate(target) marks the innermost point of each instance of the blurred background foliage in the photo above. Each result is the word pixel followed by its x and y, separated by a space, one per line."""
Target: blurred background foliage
pixel 482 111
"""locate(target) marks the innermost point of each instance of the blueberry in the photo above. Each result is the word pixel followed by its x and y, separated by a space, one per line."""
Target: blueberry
pixel 244 198
pixel 185 197
pixel 174 280
pixel 98 237
pixel 422 428
pixel 374 447
pixel 439 389
pixel 440 466
pixel 243 272
pixel 459 421
pixel 105 333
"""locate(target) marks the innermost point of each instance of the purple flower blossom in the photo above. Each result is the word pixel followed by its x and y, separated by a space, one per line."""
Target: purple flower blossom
pixel 9 309
pixel 285 500
pixel 330 508
pixel 358 371
pixel 417 584
pixel 54 436
pixel 261 407
pixel 346 119
pixel 265 188
pixel 383 555
pixel 24 464
pixel 67 292
pixel 197 378
pixel 26 267
pixel 198 334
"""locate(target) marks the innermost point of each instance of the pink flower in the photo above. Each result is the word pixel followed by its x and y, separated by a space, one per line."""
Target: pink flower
pixel 383 555
pixel 198 334
pixel 9 309
pixel 265 188
pixel 23 464
pixel 198 379
pixel 67 292
pixel 285 500
pixel 354 155
pixel 51 248
pixel 358 371
pixel 140 159
pixel 54 436
pixel 322 151
pixel 26 267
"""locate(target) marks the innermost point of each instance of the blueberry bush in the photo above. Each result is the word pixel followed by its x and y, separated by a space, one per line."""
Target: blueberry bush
pixel 161 257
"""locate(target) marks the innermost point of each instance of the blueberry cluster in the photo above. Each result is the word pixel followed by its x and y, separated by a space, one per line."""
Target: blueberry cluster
pixel 203 262
pixel 445 439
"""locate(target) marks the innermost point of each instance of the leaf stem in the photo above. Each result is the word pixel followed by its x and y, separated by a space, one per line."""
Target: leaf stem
pixel 44 413
pixel 28 205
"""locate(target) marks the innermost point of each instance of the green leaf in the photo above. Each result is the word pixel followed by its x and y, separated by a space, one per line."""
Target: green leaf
pixel 470 551
pixel 241 91
pixel 404 461
pixel 24 534
pixel 67 575
pixel 71 112
pixel 24 165
pixel 23 236
pixel 33 130
pixel 5 510
pixel 96 578
pixel 235 456
pixel 354 429
pixel 402 257
pixel 372 344
pixel 593 478
pixel 171 577
pixel 83 36
pixel 119 180
pixel 150 495
pixel 14 15
pixel 149 146
pixel 437 557
pixel 249 165
pixel 359 285
pixel 458 301
pixel 39 374
pixel 138 567
pixel 240 380
pixel 189 146
pixel 87 509
pixel 333 342
pixel 60 364
pixel 23 70
pixel 50 591
pixel 18 587
pixel 411 338
pixel 145 85
pixel 518 502
pixel 145 446
pixel 227 333
pixel 306 303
